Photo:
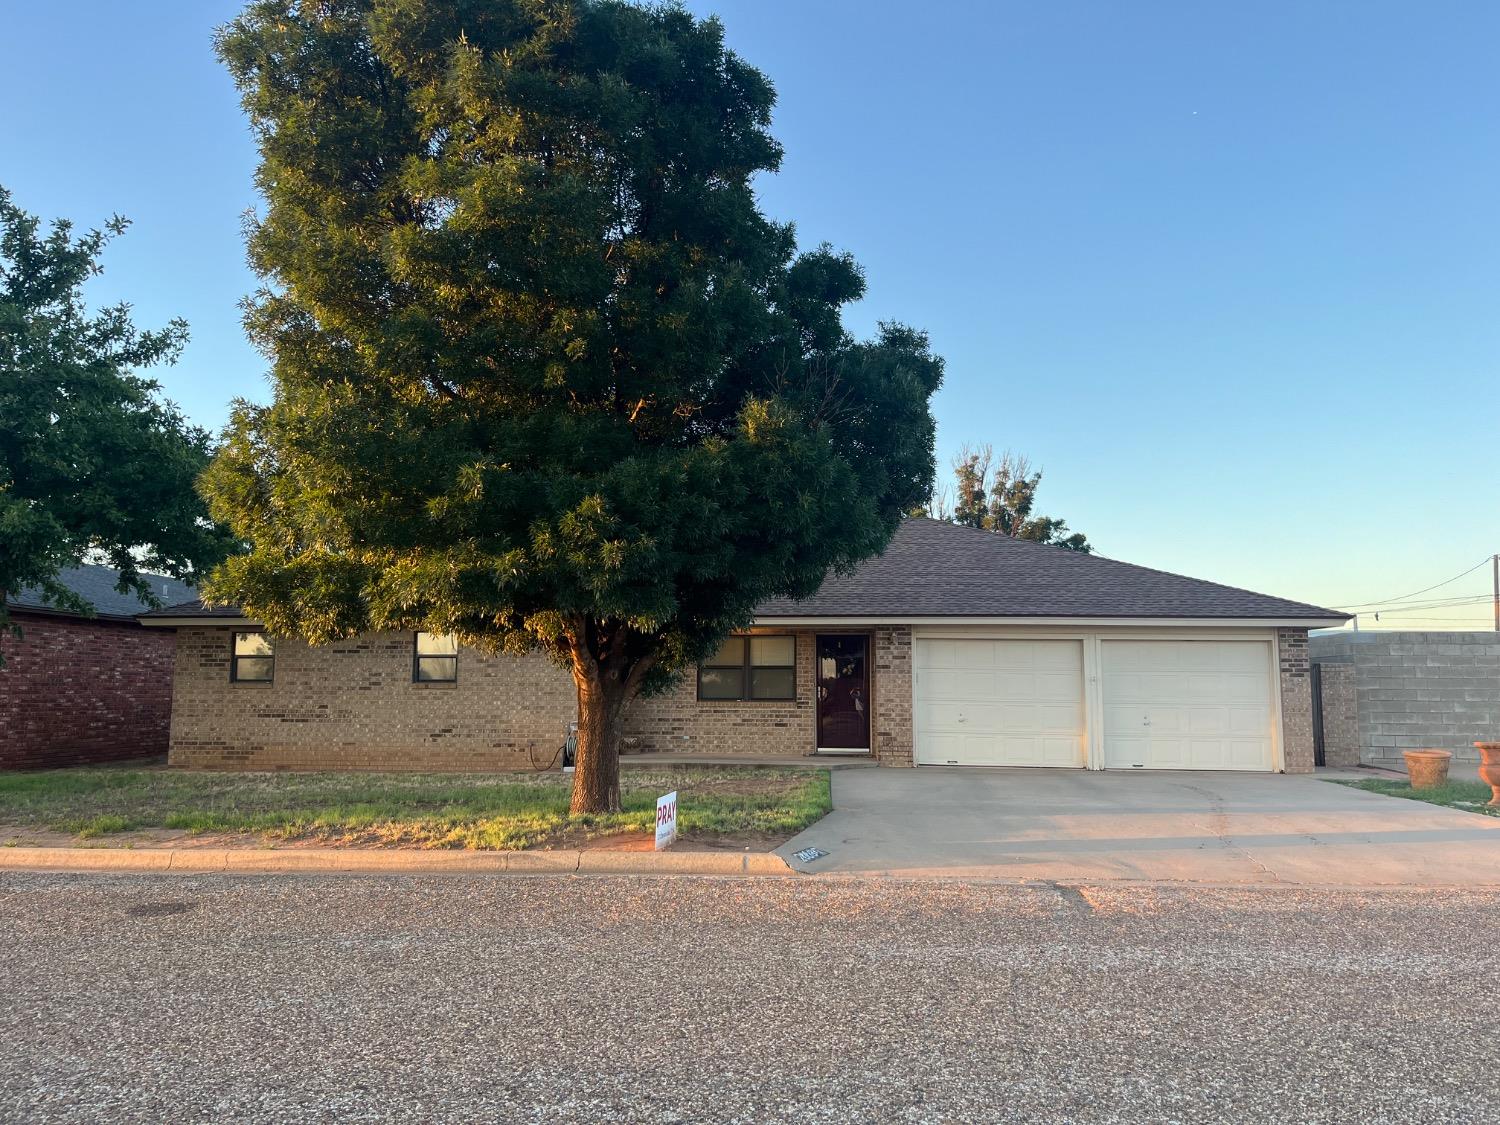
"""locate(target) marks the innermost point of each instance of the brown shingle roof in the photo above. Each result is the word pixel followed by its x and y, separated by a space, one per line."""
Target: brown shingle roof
pixel 937 569
pixel 195 608
pixel 97 586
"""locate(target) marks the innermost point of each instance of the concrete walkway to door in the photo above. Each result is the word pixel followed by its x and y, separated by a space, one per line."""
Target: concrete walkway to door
pixel 1081 826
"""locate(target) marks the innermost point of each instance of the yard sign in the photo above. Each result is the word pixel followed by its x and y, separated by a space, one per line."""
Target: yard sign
pixel 666 820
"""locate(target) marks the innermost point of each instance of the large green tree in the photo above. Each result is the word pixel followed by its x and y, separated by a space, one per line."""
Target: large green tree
pixel 94 463
pixel 545 377
pixel 999 494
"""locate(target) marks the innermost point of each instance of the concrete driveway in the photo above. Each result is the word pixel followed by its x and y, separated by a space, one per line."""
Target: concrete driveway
pixel 1075 825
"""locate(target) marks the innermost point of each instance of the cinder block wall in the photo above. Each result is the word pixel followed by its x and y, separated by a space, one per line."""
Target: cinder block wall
pixel 1415 690
pixel 75 691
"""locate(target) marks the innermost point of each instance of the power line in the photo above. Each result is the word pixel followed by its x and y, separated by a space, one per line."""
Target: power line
pixel 1475 614
pixel 1454 600
pixel 1403 597
pixel 1446 603
pixel 1468 623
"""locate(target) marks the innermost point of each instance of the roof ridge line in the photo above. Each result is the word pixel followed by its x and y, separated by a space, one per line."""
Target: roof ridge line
pixel 1083 556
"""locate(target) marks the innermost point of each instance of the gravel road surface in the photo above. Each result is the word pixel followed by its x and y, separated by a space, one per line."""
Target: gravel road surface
pixel 453 998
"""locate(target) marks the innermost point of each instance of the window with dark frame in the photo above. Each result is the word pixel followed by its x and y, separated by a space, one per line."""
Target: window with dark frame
pixel 435 659
pixel 252 659
pixel 750 668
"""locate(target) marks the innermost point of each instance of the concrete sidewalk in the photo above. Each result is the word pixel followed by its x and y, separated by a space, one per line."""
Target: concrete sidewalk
pixel 407 862
pixel 1199 827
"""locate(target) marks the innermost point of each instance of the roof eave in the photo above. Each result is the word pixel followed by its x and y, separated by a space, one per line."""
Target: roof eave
pixel 845 620
pixel 1287 622
pixel 49 611
pixel 165 622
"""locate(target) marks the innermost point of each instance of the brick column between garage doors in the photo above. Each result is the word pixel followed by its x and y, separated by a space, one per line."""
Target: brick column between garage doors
pixel 892 741
pixel 1296 700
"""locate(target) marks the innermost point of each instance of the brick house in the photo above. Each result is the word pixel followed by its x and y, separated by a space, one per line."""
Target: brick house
pixel 954 647
pixel 85 689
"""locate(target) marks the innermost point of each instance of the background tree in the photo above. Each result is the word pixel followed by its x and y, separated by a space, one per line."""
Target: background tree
pixel 94 463
pixel 544 375
pixel 1000 495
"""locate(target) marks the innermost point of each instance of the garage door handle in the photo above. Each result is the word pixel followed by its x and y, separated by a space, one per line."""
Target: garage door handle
pixel 962 719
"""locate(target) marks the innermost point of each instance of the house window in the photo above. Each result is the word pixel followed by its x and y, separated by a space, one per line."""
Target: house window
pixel 253 660
pixel 750 668
pixel 435 659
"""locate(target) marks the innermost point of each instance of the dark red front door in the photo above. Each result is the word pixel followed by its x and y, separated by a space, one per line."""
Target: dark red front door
pixel 843 693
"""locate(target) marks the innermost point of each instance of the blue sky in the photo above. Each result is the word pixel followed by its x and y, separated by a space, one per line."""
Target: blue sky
pixel 1227 272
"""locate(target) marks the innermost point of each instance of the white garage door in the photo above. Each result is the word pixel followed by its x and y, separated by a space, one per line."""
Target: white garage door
pixel 999 703
pixel 1187 705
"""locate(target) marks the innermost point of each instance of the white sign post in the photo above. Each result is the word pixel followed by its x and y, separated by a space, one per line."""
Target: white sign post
pixel 666 820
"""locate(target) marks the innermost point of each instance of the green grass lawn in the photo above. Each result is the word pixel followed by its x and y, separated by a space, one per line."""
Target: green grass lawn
pixel 1471 796
pixel 502 811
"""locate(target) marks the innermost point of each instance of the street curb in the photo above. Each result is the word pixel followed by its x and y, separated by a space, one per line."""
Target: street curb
pixel 289 861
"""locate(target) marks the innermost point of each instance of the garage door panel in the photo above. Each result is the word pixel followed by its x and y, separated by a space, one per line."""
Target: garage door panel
pixel 1248 721
pixel 1010 684
pixel 1187 705
pixel 943 716
pixel 961 684
pixel 1058 656
pixel 1127 749
pixel 1010 717
pixel 1210 721
pixel 942 654
pixel 999 702
pixel 1121 656
pixel 1244 658
pixel 945 745
pixel 1061 718
pixel 1060 687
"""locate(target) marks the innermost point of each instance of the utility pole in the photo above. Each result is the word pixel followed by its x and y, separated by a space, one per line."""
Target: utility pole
pixel 1495 567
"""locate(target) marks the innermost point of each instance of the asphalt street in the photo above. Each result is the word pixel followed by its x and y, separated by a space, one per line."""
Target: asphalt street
pixel 461 998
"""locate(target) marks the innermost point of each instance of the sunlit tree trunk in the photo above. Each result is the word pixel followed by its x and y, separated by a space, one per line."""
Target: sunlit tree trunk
pixel 608 677
pixel 596 767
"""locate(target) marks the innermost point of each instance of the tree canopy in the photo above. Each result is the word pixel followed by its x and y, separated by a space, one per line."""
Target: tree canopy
pixel 999 494
pixel 94 462
pixel 544 374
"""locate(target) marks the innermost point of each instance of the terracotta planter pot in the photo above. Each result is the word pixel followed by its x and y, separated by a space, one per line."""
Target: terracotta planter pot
pixel 1427 769
pixel 1489 768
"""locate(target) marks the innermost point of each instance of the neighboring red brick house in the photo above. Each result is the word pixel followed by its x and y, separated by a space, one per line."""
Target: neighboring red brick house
pixel 85 689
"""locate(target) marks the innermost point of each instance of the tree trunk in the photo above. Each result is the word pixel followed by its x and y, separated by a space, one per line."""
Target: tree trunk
pixel 601 721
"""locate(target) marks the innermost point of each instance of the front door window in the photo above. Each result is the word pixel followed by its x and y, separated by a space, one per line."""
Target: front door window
pixel 843 693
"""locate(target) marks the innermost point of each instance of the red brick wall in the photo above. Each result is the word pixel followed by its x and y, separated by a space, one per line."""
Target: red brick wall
pixel 75 691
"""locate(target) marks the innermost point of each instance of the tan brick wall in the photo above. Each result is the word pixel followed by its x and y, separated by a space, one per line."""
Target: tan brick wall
pixel 679 723
pixel 353 706
pixel 1340 716
pixel 893 698
pixel 1296 700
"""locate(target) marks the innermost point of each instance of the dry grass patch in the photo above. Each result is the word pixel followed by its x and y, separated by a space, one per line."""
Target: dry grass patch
pixel 492 811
